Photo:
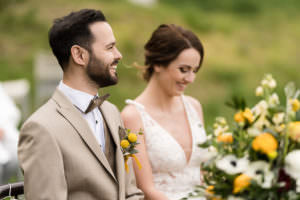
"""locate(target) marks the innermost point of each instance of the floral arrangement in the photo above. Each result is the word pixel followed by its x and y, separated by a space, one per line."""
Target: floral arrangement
pixel 258 158
pixel 128 144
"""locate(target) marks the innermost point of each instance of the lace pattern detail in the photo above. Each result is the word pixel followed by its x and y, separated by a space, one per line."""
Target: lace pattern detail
pixel 172 174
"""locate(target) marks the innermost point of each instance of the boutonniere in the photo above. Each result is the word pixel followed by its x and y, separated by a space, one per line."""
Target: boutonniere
pixel 128 144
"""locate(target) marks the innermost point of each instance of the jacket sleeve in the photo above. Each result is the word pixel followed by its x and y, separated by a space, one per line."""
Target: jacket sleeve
pixel 42 164
pixel 132 192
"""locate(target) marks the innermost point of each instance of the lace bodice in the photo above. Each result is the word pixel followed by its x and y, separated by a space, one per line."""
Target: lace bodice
pixel 173 174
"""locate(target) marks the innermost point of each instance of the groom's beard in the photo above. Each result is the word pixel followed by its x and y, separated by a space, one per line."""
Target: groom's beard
pixel 99 72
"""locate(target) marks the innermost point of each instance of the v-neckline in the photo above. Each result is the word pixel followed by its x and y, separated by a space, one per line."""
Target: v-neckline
pixel 172 137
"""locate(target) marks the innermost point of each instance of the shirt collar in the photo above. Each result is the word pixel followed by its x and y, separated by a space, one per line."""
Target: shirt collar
pixel 78 98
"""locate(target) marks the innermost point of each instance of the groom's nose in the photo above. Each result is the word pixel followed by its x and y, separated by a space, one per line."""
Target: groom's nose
pixel 118 54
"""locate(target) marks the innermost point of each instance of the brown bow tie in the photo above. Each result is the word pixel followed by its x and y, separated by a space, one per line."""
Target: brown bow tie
pixel 96 102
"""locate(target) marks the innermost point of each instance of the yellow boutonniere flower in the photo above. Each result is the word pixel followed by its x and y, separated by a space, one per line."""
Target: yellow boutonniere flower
pixel 132 137
pixel 128 144
pixel 125 144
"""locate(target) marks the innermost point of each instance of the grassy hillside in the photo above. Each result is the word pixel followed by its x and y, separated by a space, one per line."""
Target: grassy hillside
pixel 243 40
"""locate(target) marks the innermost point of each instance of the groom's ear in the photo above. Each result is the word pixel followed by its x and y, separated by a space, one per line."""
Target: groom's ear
pixel 79 55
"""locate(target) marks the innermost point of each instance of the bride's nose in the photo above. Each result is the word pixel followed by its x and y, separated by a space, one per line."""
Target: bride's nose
pixel 190 77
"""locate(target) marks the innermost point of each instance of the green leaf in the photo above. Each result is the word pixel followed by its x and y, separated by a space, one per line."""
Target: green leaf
pixel 237 103
pixel 298 116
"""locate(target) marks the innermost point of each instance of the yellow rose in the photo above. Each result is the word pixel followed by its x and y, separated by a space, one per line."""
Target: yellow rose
pixel 132 137
pixel 124 144
pixel 295 104
pixel 238 117
pixel 241 182
pixel 226 138
pixel 265 143
pixel 210 189
pixel 294 130
pixel 247 114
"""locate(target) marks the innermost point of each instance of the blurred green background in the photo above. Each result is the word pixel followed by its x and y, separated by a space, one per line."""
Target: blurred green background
pixel 243 40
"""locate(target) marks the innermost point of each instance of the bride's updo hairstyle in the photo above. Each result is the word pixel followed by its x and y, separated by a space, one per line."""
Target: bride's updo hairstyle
pixel 165 44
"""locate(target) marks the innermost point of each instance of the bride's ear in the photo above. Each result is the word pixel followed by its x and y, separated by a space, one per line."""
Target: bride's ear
pixel 157 68
pixel 79 55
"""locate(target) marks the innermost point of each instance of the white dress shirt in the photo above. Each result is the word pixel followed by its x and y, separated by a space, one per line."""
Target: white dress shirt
pixel 81 100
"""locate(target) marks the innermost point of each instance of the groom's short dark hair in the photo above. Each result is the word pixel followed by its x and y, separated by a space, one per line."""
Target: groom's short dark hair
pixel 70 30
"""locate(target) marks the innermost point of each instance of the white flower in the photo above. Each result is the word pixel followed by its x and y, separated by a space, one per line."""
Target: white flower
pixel 265 83
pixel 221 121
pixel 232 165
pixel 278 118
pixel 292 167
pixel 219 130
pixel 298 186
pixel 259 91
pixel 260 172
pixel 261 122
pixel 268 82
pixel 279 128
pixel 273 100
pixel 209 137
pixel 260 108
pixel 272 84
pixel 292 164
pixel 234 198
pixel 254 131
pixel 209 153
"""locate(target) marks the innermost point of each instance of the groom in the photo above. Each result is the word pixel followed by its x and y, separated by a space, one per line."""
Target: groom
pixel 69 148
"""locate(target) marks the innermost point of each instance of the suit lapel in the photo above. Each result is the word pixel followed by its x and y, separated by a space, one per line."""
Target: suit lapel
pixel 73 116
pixel 114 130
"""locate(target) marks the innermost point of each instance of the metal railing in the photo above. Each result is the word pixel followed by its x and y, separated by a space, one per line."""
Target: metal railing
pixel 12 190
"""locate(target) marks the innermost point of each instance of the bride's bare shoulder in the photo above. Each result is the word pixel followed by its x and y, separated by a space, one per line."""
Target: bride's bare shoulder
pixel 131 117
pixel 194 102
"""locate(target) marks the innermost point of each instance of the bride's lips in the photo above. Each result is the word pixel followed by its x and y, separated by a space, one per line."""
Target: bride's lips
pixel 181 86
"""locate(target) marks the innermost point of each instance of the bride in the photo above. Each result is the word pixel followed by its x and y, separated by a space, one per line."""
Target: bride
pixel 172 122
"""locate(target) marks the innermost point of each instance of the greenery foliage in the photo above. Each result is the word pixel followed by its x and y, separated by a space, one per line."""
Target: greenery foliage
pixel 243 40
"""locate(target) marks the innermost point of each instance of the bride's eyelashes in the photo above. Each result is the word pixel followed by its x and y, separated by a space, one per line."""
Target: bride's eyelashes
pixel 186 69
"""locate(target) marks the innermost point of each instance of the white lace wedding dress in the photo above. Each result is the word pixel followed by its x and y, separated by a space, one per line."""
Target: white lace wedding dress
pixel 172 173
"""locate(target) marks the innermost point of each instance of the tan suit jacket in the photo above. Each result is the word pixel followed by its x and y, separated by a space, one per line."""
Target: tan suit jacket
pixel 62 160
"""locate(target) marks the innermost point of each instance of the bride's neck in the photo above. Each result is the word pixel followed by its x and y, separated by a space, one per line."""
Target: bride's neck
pixel 157 97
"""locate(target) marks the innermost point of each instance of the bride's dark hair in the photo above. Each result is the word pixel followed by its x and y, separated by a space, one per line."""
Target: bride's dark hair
pixel 166 43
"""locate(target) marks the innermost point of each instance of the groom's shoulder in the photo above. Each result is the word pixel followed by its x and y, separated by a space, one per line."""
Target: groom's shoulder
pixel 111 106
